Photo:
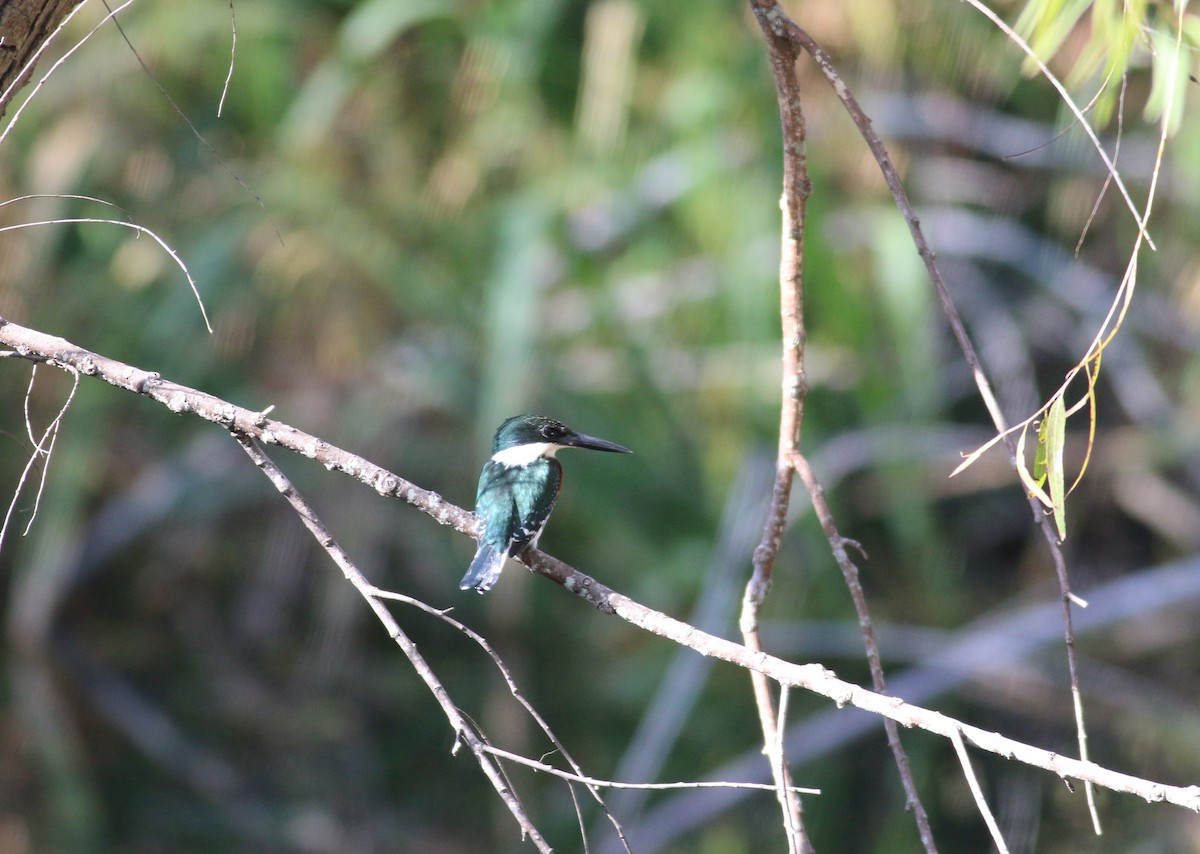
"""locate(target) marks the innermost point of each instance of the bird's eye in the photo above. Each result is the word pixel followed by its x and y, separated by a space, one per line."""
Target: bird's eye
pixel 553 431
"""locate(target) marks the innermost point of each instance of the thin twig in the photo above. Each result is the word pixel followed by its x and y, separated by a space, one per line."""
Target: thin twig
pixel 1141 218
pixel 837 544
pixel 778 29
pixel 652 787
pixel 779 754
pixel 511 682
pixel 140 229
pixel 162 90
pixel 892 177
pixel 76 196
pixel 232 57
pixel 40 450
pixel 977 793
pixel 1116 155
pixel 464 732
pixel 48 451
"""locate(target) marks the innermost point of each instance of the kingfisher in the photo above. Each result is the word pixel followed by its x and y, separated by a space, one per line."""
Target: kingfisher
pixel 517 490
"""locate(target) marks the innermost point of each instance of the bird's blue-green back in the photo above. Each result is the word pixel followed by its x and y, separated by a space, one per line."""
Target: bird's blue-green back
pixel 514 502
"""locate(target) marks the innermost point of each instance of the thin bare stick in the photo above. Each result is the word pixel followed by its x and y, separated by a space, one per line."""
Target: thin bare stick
pixel 511 682
pixel 39 347
pixel 48 452
pixel 977 793
pixel 77 196
pixel 653 787
pixel 1139 217
pixel 784 49
pixel 162 90
pixel 1116 155
pixel 140 229
pixel 796 190
pixel 837 544
pixel 232 57
pixel 779 754
pixel 464 732
pixel 28 400
pixel 40 450
pixel 900 195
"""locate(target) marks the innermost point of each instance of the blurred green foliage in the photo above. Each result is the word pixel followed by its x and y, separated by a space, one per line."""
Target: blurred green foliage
pixel 412 219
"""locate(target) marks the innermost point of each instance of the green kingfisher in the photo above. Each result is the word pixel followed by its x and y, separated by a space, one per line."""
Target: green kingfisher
pixel 517 490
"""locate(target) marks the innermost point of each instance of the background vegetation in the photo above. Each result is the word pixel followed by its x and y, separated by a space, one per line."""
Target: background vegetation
pixel 446 213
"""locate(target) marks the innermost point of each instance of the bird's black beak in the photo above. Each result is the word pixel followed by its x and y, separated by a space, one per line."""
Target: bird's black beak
pixel 579 440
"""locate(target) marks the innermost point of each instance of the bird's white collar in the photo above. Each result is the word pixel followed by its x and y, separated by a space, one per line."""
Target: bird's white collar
pixel 523 455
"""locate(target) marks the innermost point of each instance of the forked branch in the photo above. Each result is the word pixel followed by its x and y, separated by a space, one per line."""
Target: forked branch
pixel 805 41
pixel 796 190
pixel 783 51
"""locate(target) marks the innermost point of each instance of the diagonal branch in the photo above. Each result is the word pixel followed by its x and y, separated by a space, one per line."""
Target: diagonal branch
pixel 837 544
pixel 39 347
pixel 54 351
pixel 977 794
pixel 464 732
pixel 510 681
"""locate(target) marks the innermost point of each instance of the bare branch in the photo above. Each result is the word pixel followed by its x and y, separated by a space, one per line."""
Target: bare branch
pixel 837 544
pixel 140 229
pixel 511 682
pixel 977 793
pixel 232 57
pixel 1140 217
pixel 464 732
pixel 199 137
pixel 796 190
pixel 40 450
pixel 783 49
pixel 39 347
pixel 653 787
pixel 892 178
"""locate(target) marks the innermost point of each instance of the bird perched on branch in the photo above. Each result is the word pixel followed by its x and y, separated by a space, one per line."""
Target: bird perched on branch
pixel 517 490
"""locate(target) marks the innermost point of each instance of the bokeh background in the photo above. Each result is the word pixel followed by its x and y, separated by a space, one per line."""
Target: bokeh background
pixel 415 218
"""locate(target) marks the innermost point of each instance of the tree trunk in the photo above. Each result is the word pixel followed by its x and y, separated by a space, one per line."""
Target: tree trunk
pixel 25 26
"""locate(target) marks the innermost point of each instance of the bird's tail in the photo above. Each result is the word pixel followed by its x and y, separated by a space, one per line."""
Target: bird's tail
pixel 485 569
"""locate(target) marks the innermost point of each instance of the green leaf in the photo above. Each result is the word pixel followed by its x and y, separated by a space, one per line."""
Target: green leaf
pixel 1055 429
pixel 1039 458
pixel 1170 80
pixel 1046 24
pixel 1035 488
